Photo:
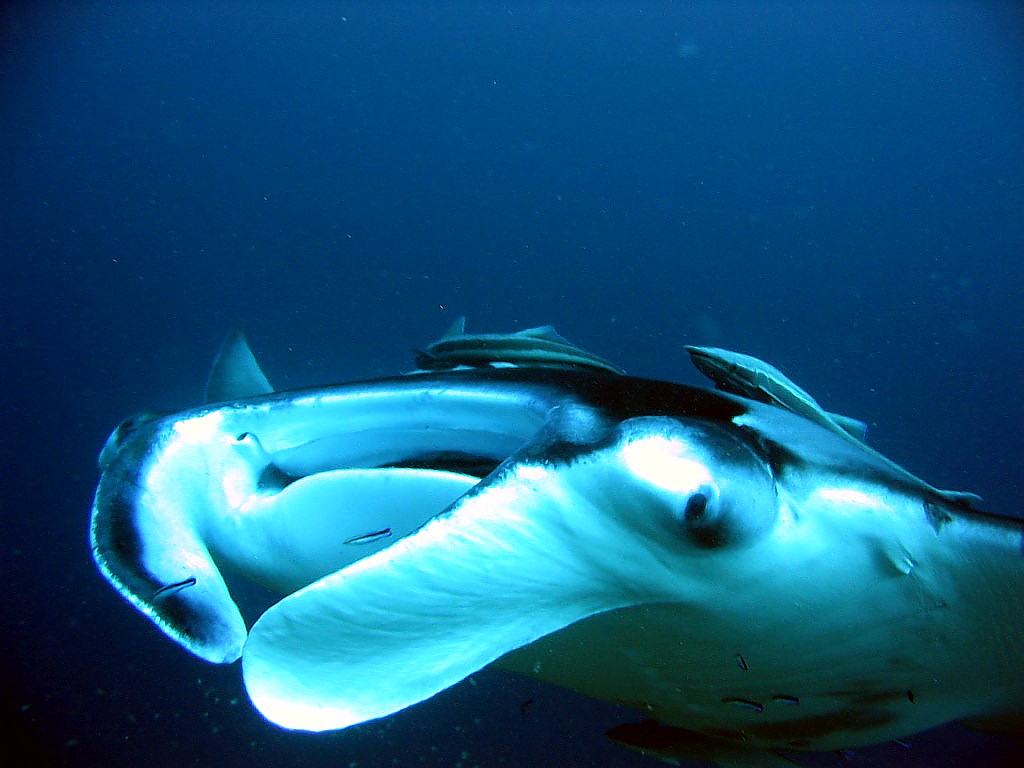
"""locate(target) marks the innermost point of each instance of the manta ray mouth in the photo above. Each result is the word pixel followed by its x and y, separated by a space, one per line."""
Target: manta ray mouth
pixel 286 489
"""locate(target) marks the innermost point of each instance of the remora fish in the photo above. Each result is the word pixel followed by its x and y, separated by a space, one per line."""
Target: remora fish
pixel 536 347
pixel 745 375
pixel 728 567
pixel 748 376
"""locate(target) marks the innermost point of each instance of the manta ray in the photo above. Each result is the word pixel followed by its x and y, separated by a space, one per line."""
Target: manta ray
pixel 740 569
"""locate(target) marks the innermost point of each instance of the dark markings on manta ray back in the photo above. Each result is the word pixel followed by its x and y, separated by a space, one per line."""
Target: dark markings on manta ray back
pixel 613 398
pixel 622 397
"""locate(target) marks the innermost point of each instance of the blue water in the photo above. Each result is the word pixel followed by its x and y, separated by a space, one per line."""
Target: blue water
pixel 835 187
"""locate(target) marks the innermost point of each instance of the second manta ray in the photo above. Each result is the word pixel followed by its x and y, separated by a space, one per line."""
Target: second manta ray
pixel 748 574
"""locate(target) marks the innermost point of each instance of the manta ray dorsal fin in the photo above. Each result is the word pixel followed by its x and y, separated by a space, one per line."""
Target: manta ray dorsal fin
pixel 235 374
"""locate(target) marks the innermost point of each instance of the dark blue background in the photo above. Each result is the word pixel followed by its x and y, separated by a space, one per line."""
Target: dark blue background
pixel 835 187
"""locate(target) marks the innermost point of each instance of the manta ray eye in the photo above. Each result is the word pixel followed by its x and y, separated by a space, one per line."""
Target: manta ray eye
pixel 708 486
pixel 696 506
pixel 703 517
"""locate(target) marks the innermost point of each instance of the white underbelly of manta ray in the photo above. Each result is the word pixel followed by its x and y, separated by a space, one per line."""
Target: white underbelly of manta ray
pixel 737 565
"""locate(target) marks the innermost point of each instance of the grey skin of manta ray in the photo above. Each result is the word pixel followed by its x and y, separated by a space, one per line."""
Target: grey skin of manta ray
pixel 752 578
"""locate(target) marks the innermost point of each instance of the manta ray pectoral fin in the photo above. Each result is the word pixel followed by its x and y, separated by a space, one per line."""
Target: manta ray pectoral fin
pixel 236 374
